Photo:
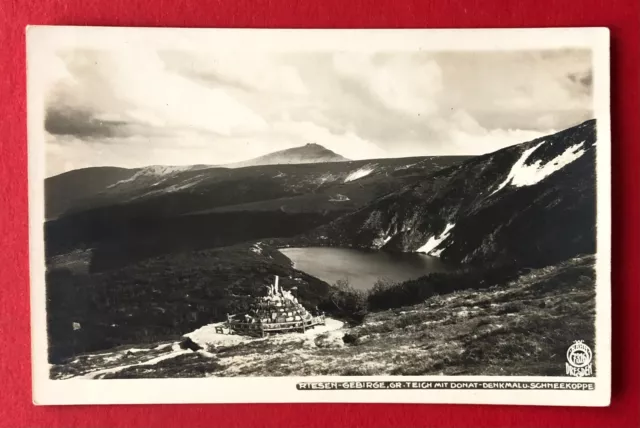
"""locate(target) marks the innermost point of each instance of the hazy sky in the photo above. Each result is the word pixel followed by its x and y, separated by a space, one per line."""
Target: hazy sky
pixel 133 108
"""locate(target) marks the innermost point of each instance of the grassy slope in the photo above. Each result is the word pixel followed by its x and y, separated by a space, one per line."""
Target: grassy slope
pixel 162 297
pixel 522 327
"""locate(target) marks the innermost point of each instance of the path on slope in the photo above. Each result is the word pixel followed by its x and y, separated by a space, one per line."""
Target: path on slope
pixel 92 366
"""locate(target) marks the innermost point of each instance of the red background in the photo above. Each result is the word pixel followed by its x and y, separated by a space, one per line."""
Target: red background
pixel 621 16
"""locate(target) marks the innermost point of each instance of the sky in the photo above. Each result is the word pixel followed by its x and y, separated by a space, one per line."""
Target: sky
pixel 139 107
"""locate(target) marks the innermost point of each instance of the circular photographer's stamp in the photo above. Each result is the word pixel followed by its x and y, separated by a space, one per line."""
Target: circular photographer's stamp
pixel 579 358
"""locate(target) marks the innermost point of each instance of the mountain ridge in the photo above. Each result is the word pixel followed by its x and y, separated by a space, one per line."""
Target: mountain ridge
pixel 474 211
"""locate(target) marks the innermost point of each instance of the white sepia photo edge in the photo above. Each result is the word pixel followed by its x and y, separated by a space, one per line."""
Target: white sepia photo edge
pixel 44 39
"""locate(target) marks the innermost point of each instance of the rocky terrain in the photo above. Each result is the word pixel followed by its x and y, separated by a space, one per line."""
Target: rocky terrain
pixel 532 204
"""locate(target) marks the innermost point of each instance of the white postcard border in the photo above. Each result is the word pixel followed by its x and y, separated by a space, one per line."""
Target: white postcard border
pixel 41 40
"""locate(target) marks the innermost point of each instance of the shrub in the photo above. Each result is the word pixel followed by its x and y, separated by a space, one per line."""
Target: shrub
pixel 349 339
pixel 384 295
pixel 346 301
pixel 381 285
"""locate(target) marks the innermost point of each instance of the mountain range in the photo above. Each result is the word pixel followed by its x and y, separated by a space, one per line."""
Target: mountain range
pixel 131 214
pixel 134 255
pixel 66 191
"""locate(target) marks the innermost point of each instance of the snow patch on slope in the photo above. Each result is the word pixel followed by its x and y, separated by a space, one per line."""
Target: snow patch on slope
pixel 175 351
pixel 191 182
pixel 163 346
pixel 359 173
pixel 136 350
pixel 436 253
pixel 154 171
pixel 326 178
pixel 527 175
pixel 385 237
pixel 382 241
pixel 176 187
pixel 435 241
pixel 400 168
pixel 339 198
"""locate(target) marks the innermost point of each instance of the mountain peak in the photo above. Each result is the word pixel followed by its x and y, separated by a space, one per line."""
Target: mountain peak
pixel 309 153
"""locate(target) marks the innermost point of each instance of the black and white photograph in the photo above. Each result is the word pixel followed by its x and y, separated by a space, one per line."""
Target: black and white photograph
pixel 335 213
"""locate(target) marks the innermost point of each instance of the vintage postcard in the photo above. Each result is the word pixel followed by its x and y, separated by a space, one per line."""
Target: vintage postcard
pixel 244 215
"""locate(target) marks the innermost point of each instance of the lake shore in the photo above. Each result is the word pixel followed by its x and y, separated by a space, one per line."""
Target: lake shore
pixel 360 268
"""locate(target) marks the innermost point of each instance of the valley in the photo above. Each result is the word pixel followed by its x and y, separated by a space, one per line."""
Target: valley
pixel 215 207
pixel 139 258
